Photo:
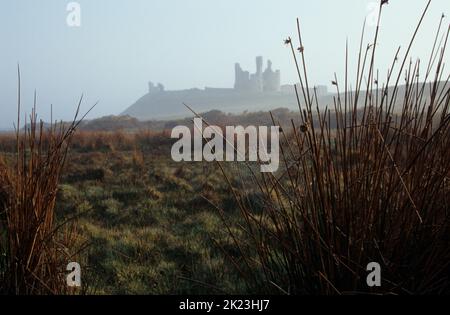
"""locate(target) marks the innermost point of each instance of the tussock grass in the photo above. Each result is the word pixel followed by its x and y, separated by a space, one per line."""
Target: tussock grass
pixel 34 247
pixel 373 188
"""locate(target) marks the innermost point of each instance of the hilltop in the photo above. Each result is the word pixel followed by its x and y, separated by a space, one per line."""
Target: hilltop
pixel 251 92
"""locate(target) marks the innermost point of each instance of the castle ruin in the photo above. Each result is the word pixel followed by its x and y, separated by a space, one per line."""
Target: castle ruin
pixel 258 82
pixel 152 88
pixel 251 92
pixel 267 81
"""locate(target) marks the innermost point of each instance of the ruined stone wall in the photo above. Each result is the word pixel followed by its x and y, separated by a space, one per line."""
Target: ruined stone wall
pixel 259 81
pixel 271 79
pixel 155 88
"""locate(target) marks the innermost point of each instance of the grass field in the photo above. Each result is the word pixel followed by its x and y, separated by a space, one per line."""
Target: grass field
pixel 148 221
pixel 363 180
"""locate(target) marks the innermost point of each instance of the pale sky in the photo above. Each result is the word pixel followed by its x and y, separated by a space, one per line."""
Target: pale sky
pixel 121 45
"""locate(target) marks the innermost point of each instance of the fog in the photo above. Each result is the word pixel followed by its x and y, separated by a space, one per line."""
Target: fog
pixel 121 45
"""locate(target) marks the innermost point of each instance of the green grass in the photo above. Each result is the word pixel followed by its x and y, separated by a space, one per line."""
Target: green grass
pixel 149 227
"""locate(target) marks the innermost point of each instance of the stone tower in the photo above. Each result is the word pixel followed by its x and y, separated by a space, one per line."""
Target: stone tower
pixel 152 88
pixel 259 65
pixel 271 79
pixel 259 81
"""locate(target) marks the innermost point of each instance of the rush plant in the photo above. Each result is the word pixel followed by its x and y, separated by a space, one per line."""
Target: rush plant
pixel 34 247
pixel 367 180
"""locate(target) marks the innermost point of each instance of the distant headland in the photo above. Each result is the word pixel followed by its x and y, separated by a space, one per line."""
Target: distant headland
pixel 261 90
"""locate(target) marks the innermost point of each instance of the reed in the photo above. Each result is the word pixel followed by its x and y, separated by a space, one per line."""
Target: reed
pixel 373 188
pixel 35 248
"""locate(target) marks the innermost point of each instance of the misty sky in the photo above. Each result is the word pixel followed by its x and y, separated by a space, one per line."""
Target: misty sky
pixel 121 45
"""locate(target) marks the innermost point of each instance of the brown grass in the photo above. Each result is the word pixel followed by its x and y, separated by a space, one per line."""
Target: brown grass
pixel 374 189
pixel 35 248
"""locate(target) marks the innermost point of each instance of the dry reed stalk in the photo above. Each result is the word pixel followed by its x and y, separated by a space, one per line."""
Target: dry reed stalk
pixel 34 249
pixel 373 189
